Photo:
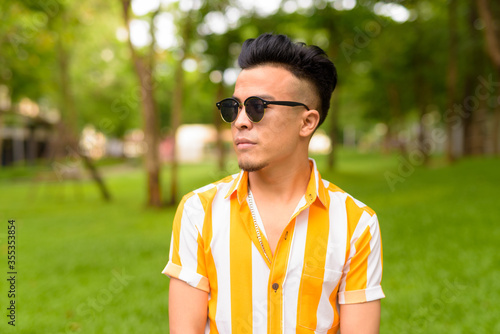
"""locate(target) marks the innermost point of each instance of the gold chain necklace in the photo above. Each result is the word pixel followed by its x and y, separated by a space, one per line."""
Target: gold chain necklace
pixel 251 204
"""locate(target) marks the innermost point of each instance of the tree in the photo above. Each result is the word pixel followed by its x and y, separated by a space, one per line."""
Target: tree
pixel 38 37
pixel 70 129
pixel 492 36
pixel 452 78
pixel 144 70
pixel 473 109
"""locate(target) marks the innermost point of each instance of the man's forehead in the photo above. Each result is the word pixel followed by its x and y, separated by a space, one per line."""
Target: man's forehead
pixel 273 82
pixel 267 77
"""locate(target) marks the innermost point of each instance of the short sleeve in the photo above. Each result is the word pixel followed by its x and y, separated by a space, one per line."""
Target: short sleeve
pixel 362 276
pixel 186 261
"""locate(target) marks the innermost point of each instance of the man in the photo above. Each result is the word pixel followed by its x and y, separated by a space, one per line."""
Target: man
pixel 275 249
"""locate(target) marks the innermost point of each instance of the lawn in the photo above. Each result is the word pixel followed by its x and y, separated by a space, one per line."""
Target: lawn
pixel 84 266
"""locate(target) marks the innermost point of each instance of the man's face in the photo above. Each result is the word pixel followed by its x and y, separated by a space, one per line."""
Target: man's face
pixel 276 138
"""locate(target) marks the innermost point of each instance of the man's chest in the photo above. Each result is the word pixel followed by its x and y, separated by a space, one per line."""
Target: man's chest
pixel 305 267
pixel 313 238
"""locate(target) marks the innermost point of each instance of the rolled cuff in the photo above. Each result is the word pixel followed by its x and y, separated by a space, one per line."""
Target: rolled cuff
pixel 361 296
pixel 190 277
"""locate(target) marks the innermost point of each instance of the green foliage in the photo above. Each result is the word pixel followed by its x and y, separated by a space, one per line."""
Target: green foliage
pixel 26 45
pixel 389 72
pixel 105 87
pixel 438 231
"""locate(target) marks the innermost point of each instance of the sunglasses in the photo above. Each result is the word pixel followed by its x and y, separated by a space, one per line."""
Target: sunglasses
pixel 254 108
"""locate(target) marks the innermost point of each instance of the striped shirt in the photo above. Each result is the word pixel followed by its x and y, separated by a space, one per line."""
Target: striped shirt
pixel 330 253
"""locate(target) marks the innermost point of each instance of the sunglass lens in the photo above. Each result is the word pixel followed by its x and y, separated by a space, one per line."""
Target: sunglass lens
pixel 255 109
pixel 229 110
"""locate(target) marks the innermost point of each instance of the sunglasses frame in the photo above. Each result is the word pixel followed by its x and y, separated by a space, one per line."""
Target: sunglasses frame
pixel 265 103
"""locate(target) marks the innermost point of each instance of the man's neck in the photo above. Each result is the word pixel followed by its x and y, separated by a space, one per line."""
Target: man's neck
pixel 281 184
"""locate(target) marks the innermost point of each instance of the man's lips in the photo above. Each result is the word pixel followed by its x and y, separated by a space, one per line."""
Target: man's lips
pixel 243 143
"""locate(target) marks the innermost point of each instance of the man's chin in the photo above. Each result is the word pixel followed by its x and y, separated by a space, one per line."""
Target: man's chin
pixel 251 166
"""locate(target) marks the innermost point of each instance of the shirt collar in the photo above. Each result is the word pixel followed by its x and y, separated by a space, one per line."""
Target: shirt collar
pixel 315 188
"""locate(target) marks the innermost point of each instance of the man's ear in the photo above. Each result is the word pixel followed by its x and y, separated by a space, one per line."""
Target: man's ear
pixel 310 120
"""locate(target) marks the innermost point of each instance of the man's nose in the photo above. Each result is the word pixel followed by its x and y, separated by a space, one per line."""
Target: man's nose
pixel 242 120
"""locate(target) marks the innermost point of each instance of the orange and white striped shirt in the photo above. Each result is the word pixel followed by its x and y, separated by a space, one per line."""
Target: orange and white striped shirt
pixel 330 253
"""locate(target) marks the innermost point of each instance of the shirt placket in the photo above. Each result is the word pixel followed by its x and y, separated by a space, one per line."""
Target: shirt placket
pixel 277 275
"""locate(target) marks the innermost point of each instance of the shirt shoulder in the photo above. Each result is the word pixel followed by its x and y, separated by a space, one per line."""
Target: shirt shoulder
pixel 351 203
pixel 208 192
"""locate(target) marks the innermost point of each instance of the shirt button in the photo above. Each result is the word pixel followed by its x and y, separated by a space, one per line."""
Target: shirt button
pixel 275 286
pixel 310 197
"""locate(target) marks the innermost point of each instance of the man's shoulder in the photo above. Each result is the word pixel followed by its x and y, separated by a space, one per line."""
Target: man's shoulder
pixel 208 192
pixel 351 203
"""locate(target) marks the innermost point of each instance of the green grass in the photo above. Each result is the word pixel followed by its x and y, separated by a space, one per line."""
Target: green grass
pixel 85 266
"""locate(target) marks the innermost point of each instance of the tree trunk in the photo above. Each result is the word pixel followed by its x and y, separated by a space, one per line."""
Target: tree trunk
pixel 473 106
pixel 151 135
pixel 493 48
pixel 94 173
pixel 335 100
pixel 143 70
pixel 5 106
pixel 175 122
pixel 221 156
pixel 70 139
pixel 452 78
pixel 1 138
pixel 496 128
pixel 422 134
pixel 333 114
pixel 492 39
pixel 31 146
pixel 176 116
pixel 396 112
pixel 421 96
pixel 480 128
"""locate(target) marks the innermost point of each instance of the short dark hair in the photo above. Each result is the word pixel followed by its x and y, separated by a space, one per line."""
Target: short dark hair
pixel 305 62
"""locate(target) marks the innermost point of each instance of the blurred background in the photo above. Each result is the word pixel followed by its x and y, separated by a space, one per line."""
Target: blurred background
pixel 107 117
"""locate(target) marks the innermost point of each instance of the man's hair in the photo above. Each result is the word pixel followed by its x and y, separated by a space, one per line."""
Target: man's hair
pixel 305 62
